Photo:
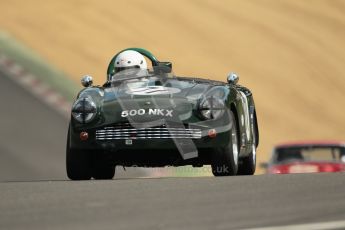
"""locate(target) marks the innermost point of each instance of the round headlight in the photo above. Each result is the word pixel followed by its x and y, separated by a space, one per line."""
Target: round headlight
pixel 211 108
pixel 84 110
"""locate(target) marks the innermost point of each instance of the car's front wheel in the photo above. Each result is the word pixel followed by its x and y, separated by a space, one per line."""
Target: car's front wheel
pixel 225 160
pixel 102 168
pixel 247 164
pixel 78 164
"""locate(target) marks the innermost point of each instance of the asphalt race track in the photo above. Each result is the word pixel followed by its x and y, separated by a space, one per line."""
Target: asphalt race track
pixel 35 194
pixel 173 203
pixel 33 136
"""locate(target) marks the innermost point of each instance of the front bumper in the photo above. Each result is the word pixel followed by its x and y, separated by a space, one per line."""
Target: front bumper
pixel 154 146
pixel 114 138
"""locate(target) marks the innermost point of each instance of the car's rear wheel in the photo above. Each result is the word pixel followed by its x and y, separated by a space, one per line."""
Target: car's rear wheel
pixel 225 160
pixel 102 168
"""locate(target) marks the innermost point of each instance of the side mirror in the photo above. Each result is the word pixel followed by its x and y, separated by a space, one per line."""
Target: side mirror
pixel 87 81
pixel 233 78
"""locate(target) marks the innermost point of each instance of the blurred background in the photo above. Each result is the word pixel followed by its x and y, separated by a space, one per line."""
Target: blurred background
pixel 290 53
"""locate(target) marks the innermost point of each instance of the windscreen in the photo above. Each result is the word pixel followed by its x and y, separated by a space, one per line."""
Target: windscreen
pixel 151 82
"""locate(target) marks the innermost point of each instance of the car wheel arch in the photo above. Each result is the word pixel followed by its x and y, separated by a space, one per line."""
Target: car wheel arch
pixel 234 111
pixel 256 129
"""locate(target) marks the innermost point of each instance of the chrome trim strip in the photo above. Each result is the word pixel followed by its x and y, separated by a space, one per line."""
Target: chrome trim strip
pixel 114 133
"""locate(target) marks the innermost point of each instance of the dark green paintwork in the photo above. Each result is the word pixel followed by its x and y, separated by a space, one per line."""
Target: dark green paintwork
pixel 109 113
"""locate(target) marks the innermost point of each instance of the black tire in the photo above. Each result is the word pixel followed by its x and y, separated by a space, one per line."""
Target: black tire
pixel 247 165
pixel 102 168
pixel 78 164
pixel 225 160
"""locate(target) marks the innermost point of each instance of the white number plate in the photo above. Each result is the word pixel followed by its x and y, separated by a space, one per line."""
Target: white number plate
pixel 140 112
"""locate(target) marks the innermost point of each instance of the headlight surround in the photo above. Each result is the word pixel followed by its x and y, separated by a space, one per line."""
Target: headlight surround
pixel 211 108
pixel 84 110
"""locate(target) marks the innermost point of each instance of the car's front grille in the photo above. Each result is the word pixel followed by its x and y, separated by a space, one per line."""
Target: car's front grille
pixel 123 132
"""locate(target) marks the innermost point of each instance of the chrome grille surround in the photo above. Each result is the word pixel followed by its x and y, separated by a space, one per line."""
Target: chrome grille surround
pixel 126 131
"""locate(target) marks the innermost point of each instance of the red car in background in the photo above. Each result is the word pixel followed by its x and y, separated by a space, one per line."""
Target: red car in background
pixel 307 157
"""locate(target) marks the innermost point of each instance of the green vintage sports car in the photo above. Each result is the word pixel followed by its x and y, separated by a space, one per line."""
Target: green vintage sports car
pixel 153 118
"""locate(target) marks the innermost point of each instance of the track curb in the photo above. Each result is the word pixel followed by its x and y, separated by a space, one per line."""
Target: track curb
pixel 34 85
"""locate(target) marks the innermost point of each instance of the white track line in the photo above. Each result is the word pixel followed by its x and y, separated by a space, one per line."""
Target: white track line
pixel 311 226
pixel 35 86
